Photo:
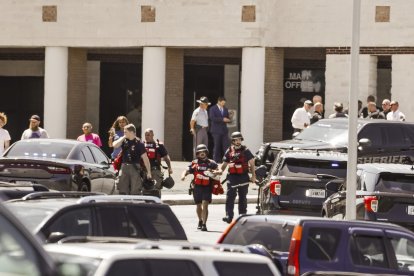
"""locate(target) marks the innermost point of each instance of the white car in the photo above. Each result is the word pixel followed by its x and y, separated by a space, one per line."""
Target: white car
pixel 159 259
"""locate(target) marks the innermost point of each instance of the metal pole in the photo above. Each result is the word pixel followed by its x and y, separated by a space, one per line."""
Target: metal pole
pixel 353 114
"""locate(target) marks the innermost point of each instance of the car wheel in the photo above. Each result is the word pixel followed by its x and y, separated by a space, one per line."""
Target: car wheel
pixel 84 187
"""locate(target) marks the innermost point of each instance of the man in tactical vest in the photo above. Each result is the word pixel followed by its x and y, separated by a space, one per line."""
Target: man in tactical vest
pixel 156 152
pixel 240 160
pixel 202 185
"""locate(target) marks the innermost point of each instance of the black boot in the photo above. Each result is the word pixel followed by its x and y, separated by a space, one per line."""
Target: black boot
pixel 227 219
pixel 203 227
pixel 200 224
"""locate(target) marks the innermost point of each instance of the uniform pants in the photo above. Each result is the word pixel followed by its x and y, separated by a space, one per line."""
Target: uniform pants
pixel 130 181
pixel 157 177
pixel 201 137
pixel 221 144
pixel 232 192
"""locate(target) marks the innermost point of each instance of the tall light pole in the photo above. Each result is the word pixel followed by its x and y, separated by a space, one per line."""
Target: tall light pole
pixel 353 114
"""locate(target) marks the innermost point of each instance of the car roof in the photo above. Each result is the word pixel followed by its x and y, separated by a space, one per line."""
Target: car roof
pixel 52 140
pixel 317 155
pixel 344 121
pixel 299 220
pixel 387 167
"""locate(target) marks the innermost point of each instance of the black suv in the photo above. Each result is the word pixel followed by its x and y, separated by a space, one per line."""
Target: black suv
pixel 297 182
pixel 299 245
pixel 385 192
pixel 54 216
pixel 380 141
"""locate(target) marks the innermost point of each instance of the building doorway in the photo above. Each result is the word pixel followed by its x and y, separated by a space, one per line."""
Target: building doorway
pixel 21 98
pixel 199 80
pixel 121 91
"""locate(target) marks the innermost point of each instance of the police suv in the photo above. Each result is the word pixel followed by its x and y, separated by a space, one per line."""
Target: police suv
pixel 380 141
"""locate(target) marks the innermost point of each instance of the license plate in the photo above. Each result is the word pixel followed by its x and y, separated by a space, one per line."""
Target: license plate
pixel 316 193
pixel 410 210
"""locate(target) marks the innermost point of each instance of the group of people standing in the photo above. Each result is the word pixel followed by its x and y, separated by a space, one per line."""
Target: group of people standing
pixel 312 111
pixel 237 157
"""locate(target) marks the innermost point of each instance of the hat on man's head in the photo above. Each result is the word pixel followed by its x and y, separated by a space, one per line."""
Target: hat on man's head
pixel 338 105
pixel 204 100
pixel 35 117
pixel 308 102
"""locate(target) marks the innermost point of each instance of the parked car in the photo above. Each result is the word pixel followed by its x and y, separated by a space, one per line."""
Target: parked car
pixel 162 259
pixel 385 192
pixel 307 244
pixel 296 182
pixel 380 141
pixel 20 252
pixel 59 164
pixel 54 216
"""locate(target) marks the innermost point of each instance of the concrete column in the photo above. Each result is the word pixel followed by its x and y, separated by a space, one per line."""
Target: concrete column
pixel 153 90
pixel 231 93
pixel 403 83
pixel 338 79
pixel 56 82
pixel 93 93
pixel 252 96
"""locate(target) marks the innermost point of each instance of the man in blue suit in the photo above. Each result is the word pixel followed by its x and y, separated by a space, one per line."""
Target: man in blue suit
pixel 219 116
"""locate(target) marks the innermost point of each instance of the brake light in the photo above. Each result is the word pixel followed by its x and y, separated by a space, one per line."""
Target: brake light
pixel 223 236
pixel 58 170
pixel 371 203
pixel 275 187
pixel 294 250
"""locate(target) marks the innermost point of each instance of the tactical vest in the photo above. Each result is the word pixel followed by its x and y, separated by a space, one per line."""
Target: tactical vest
pixel 198 170
pixel 237 161
pixel 152 153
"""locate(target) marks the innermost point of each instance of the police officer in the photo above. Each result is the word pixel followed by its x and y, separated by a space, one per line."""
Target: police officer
pixel 239 159
pixel 202 188
pixel 156 152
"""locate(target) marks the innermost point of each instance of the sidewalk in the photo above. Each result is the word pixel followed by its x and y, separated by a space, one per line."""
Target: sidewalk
pixel 178 195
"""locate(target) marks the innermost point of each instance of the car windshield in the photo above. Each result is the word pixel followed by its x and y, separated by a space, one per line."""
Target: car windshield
pixel 275 236
pixel 40 149
pixel 332 133
pixel 397 183
pixel 310 168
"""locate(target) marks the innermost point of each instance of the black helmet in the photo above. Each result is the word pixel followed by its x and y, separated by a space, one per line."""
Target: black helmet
pixel 168 182
pixel 148 184
pixel 236 135
pixel 201 148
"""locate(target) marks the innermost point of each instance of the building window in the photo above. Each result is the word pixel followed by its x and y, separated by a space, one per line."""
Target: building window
pixel 147 14
pixel 382 14
pixel 249 14
pixel 49 13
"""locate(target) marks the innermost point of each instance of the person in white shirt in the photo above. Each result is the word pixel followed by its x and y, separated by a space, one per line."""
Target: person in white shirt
pixel 34 130
pixel 301 117
pixel 4 134
pixel 395 114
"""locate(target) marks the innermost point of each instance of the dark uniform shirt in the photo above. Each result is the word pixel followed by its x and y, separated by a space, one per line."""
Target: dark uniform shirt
pixel 160 150
pixel 315 117
pixel 132 151
pixel 210 164
pixel 238 178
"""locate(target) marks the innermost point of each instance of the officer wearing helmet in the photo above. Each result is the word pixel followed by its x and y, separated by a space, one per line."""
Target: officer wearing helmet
pixel 156 152
pixel 240 160
pixel 202 186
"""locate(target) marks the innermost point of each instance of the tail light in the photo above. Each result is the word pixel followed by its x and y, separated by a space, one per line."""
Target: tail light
pixel 294 250
pixel 223 236
pixel 58 170
pixel 275 187
pixel 371 203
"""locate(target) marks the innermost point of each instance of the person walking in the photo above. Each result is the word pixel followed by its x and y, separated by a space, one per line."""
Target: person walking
pixel 199 122
pixel 395 114
pixel 4 134
pixel 301 117
pixel 34 130
pixel 156 152
pixel 116 132
pixel 219 117
pixel 133 150
pixel 89 136
pixel 202 186
pixel 239 159
pixel 318 113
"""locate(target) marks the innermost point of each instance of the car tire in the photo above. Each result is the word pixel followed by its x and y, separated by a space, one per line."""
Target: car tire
pixel 84 187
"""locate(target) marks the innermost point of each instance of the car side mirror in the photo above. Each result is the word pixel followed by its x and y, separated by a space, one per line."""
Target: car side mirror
pixel 106 164
pixel 333 186
pixel 364 143
pixel 55 237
